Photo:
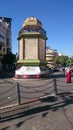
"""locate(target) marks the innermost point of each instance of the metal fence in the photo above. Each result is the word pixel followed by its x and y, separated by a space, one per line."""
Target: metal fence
pixel 8 97
pixel 21 94
pixel 63 87
pixel 16 96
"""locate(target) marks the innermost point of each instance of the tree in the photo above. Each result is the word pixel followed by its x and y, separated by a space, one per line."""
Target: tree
pixel 9 59
pixel 70 61
pixel 61 60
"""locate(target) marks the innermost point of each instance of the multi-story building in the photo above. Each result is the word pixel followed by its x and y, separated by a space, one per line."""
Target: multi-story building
pixel 5 36
pixel 50 56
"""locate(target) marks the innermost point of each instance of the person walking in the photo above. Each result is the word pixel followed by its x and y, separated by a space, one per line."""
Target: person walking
pixel 65 70
pixel 68 75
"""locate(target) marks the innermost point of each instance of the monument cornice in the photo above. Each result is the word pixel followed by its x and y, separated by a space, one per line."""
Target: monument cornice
pixel 33 62
pixel 32 34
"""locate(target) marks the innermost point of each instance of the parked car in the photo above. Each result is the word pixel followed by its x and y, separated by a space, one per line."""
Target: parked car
pixel 71 69
pixel 56 69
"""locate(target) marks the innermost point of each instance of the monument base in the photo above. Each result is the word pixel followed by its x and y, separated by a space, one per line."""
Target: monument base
pixel 30 72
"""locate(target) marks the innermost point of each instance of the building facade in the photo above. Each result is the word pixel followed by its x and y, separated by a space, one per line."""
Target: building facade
pixel 50 56
pixel 5 36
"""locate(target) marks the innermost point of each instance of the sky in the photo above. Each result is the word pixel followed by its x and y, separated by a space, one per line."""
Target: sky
pixel 56 17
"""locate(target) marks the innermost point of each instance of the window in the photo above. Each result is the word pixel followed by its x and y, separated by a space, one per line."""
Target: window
pixel 1 36
pixel 3 49
pixel 0 47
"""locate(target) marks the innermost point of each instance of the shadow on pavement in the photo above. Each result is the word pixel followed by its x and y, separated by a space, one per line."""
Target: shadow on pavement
pixel 62 100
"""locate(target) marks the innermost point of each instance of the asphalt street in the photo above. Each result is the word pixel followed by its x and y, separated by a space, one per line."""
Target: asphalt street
pixel 55 114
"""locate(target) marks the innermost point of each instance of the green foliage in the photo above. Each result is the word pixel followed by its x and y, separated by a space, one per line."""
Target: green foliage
pixel 70 61
pixel 8 59
pixel 61 60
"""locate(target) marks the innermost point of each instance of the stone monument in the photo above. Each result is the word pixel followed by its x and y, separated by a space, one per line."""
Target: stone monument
pixel 31 50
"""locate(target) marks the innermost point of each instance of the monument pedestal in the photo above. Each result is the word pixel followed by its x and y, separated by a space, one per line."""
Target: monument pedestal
pixel 28 72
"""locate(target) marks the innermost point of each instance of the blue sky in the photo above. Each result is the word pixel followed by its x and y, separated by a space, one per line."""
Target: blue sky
pixel 55 15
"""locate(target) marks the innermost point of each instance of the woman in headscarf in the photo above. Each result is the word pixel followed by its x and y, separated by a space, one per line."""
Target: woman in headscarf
pixel 68 75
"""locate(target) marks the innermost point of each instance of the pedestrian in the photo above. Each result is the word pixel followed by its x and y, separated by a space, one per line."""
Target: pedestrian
pixel 65 70
pixel 68 75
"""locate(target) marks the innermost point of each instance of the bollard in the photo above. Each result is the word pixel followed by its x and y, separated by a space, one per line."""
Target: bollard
pixel 55 86
pixel 18 94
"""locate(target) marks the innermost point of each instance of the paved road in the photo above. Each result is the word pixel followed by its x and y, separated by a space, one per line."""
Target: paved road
pixel 56 114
